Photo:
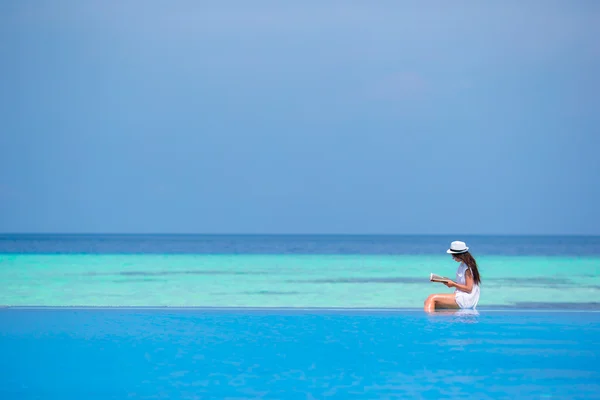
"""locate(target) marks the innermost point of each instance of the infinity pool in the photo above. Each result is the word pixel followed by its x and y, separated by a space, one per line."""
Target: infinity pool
pixel 306 354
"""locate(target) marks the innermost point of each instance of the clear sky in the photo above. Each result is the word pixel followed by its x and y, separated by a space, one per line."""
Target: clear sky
pixel 305 116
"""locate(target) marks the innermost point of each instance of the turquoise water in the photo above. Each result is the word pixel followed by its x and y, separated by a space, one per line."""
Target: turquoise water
pixel 316 317
pixel 290 271
pixel 297 354
pixel 285 280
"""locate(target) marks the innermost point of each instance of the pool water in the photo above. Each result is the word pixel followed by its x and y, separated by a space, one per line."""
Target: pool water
pixel 103 353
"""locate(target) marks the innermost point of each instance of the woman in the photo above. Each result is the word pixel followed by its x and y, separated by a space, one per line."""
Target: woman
pixel 466 294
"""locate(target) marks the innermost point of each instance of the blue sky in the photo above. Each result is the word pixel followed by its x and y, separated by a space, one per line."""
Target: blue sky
pixel 300 117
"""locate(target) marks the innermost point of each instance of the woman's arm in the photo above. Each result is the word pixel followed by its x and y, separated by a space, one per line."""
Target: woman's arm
pixel 467 287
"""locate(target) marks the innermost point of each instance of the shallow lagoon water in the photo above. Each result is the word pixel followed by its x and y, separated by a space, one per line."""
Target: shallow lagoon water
pixel 308 317
pixel 289 271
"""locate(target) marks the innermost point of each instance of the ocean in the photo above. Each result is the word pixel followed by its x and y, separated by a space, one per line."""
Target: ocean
pixel 294 317
pixel 331 271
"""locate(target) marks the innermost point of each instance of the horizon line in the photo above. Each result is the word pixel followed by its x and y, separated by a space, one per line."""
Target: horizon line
pixel 284 234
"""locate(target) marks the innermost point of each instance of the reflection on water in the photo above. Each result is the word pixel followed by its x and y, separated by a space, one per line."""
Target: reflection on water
pixel 454 316
pixel 456 312
pixel 453 312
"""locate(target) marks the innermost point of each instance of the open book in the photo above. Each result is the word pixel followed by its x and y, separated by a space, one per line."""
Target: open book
pixel 437 278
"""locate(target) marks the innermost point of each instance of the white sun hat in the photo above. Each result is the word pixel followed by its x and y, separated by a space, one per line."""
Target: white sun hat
pixel 457 247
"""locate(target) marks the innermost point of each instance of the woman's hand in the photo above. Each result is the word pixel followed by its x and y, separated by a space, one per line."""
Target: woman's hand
pixel 450 284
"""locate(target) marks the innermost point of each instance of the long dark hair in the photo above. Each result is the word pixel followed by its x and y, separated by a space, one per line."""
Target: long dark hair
pixel 468 259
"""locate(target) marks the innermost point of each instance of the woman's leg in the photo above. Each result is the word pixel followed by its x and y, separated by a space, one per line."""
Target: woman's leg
pixel 445 300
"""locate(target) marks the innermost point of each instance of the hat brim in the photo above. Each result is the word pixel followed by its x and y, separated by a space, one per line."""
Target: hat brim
pixel 450 251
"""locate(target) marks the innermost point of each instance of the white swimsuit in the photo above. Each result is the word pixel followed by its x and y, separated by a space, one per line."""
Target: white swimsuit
pixel 464 299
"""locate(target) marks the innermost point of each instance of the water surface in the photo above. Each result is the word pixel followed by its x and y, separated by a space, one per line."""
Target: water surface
pixel 308 354
pixel 290 271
